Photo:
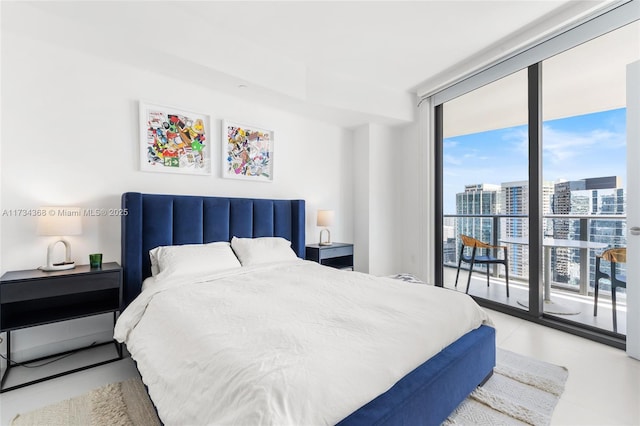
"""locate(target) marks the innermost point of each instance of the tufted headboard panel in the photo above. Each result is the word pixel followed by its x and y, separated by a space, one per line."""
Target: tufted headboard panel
pixel 154 220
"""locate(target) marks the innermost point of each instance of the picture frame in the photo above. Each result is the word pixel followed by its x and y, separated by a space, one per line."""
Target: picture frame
pixel 247 152
pixel 173 140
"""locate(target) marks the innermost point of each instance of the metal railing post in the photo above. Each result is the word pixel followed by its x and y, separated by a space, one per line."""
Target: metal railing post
pixel 494 234
pixel 584 257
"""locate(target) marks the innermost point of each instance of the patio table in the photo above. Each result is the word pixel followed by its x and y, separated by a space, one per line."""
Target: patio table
pixel 547 244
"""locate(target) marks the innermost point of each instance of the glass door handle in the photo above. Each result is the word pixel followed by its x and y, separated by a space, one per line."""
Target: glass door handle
pixel 635 230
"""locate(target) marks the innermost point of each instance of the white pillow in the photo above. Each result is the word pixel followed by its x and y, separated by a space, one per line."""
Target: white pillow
pixel 254 251
pixel 192 259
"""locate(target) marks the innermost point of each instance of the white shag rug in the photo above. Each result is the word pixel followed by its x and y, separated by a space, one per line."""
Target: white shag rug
pixel 522 390
pixel 117 404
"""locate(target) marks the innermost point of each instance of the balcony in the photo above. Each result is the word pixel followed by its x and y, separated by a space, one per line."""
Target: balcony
pixel 570 271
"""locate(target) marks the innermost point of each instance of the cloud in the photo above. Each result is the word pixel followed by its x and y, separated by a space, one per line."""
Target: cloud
pixel 560 146
pixel 476 156
pixel 518 140
pixel 449 144
pixel 452 160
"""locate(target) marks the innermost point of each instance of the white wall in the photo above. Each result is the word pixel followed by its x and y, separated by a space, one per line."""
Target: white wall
pixel 361 196
pixel 409 199
pixel 378 184
pixel 385 161
pixel 70 137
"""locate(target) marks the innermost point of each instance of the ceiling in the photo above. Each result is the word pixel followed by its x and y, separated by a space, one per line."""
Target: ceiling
pixel 588 78
pixel 343 62
pixel 396 45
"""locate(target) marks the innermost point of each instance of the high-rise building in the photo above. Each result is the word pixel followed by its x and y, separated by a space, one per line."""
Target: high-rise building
pixel 612 231
pixel 514 202
pixel 591 196
pixel 478 199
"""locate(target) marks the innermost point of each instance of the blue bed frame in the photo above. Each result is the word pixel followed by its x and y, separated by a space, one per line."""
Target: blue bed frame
pixel 425 396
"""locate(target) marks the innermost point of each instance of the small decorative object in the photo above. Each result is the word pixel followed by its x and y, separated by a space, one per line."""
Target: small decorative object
pixel 325 219
pixel 174 141
pixel 247 152
pixel 95 260
pixel 59 222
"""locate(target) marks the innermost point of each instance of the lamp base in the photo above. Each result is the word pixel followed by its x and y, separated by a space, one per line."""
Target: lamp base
pixel 327 242
pixel 58 266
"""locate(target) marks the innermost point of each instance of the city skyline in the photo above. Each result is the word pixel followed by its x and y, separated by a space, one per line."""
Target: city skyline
pixel 597 195
pixel 574 148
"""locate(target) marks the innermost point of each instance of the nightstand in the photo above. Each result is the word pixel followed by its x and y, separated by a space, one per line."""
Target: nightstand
pixel 31 298
pixel 337 255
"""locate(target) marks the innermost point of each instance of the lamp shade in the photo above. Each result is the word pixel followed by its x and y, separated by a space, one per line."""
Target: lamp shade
pixel 325 218
pixel 60 221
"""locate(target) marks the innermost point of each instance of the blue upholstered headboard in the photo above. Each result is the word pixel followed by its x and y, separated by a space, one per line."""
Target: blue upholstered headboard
pixel 154 220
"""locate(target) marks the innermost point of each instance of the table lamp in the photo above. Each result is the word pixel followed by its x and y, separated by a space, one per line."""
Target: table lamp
pixel 59 222
pixel 325 219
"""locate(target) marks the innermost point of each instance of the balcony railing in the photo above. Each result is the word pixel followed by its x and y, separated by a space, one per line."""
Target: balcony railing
pixel 571 269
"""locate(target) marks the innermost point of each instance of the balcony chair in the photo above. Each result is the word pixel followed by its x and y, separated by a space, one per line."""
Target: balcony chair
pixel 614 256
pixel 489 257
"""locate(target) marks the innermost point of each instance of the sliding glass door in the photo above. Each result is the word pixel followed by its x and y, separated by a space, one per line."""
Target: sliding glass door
pixel 534 159
pixel 584 159
pixel 485 188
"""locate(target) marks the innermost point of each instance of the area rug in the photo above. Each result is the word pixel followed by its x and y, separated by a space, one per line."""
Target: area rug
pixel 522 390
pixel 117 404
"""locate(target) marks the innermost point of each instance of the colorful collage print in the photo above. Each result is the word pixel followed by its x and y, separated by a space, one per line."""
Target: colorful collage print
pixel 176 141
pixel 248 153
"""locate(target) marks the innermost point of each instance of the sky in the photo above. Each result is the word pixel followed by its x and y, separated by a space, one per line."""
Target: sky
pixel 583 146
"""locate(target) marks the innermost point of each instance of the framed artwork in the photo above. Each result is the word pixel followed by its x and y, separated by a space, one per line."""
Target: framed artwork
pixel 174 141
pixel 247 152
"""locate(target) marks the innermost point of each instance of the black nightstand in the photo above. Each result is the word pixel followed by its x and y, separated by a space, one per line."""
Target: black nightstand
pixel 32 297
pixel 337 255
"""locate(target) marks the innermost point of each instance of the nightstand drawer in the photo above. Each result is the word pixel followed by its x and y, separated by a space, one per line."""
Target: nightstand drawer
pixel 57 286
pixel 338 255
pixel 330 252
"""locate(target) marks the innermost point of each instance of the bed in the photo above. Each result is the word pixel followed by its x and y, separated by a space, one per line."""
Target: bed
pixel 379 385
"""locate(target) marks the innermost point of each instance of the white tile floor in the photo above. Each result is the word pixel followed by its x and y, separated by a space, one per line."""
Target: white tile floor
pixel 603 386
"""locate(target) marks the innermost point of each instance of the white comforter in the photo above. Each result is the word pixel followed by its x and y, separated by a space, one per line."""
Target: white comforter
pixel 291 343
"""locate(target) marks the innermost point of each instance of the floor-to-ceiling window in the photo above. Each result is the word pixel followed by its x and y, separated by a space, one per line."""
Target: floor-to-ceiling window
pixel 485 185
pixel 584 159
pixel 534 159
